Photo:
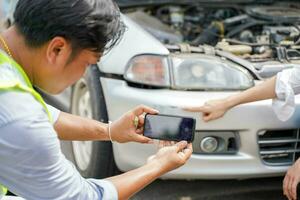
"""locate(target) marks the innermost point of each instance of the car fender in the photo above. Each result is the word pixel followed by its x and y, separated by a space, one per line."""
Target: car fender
pixel 135 41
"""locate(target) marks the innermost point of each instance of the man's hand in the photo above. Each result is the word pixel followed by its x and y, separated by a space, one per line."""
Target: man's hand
pixel 166 159
pixel 291 181
pixel 124 130
pixel 172 157
pixel 212 109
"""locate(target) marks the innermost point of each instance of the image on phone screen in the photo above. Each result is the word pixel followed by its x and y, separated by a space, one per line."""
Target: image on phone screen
pixel 165 127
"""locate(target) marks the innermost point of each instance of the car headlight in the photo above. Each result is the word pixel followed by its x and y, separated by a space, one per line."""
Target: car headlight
pixel 188 72
pixel 209 73
pixel 149 70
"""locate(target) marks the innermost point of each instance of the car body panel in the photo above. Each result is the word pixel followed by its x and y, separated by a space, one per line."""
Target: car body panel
pixel 136 41
pixel 247 120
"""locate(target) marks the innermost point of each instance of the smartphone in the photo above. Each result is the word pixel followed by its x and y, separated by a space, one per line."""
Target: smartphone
pixel 167 127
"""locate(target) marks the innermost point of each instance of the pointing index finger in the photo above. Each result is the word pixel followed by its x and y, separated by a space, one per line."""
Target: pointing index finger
pixel 195 108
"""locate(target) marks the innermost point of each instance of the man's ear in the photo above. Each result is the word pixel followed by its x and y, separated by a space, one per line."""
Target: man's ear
pixel 58 51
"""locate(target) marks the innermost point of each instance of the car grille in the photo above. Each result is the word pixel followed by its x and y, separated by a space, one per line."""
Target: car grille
pixel 279 147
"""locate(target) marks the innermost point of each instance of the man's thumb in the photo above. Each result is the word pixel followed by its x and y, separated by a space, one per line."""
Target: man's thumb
pixel 141 139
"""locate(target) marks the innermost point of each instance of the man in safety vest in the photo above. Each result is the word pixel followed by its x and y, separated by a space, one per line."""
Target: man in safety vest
pixel 50 45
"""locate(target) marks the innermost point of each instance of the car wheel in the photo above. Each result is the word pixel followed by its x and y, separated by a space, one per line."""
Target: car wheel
pixel 92 159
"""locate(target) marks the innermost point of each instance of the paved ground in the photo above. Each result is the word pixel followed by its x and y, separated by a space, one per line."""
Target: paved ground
pixel 255 189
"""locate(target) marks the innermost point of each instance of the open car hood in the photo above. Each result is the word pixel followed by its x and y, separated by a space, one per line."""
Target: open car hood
pixel 128 3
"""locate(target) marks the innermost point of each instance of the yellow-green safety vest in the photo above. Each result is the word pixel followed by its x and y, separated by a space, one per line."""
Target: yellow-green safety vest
pixel 13 78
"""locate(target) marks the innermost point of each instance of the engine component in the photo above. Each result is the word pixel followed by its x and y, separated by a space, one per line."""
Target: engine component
pixel 279 34
pixel 293 54
pixel 176 16
pixel 246 36
pixel 281 54
pixel 235 49
pixel 263 39
pixel 210 35
pixel 275 13
pixel 236 20
pixel 259 57
pixel 156 28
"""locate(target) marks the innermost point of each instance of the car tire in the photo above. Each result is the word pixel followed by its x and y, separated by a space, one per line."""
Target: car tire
pixel 92 159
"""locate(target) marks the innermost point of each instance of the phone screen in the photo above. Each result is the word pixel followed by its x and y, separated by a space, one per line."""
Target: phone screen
pixel 166 127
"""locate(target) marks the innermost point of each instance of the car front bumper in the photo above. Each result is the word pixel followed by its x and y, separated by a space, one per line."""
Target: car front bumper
pixel 247 120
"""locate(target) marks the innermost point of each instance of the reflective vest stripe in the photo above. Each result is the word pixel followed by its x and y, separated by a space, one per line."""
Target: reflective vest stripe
pixel 5 59
pixel 3 191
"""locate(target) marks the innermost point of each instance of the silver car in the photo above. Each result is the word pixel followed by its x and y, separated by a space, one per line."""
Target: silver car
pixel 182 53
pixel 6 8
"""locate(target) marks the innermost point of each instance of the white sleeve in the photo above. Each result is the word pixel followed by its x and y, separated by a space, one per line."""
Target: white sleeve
pixel 54 112
pixel 287 85
pixel 109 190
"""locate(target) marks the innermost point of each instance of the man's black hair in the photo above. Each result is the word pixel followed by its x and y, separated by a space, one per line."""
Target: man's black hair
pixel 87 24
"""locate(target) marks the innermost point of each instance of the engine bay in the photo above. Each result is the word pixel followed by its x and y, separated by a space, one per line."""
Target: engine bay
pixel 257 33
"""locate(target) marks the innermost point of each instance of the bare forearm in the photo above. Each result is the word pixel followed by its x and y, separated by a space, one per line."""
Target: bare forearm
pixel 263 91
pixel 133 181
pixel 71 127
